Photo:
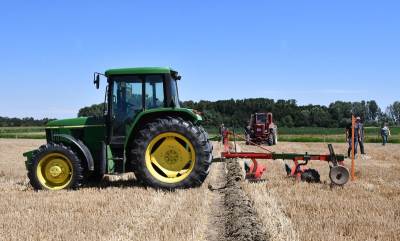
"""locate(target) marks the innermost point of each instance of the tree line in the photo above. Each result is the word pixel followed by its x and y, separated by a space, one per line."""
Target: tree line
pixel 27 121
pixel 286 113
pixel 289 114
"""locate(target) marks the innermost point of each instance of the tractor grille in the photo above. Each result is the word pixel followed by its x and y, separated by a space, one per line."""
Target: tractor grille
pixel 50 135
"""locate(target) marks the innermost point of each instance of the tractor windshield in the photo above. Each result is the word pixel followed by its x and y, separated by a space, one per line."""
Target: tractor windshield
pixel 261 119
pixel 174 92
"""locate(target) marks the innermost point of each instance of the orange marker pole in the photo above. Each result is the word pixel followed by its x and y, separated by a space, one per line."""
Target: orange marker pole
pixel 353 123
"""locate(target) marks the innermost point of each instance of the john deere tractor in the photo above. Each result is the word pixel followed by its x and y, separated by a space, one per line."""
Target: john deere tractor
pixel 144 130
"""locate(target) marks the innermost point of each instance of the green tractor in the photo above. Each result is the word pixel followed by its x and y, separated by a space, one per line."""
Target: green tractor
pixel 144 130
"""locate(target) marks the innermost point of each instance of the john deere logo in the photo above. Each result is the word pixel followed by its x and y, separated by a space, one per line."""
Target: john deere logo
pixel 171 156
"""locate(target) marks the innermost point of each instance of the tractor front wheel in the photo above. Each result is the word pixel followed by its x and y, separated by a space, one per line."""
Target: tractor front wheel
pixel 171 153
pixel 55 167
pixel 270 139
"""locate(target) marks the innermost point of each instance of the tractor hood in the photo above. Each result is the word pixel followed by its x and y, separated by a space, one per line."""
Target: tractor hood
pixel 77 122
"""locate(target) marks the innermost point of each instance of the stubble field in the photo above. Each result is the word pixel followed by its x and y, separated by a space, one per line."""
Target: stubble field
pixel 367 209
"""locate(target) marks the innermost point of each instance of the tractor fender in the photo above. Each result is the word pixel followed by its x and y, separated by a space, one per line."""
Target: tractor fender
pixel 149 115
pixel 81 147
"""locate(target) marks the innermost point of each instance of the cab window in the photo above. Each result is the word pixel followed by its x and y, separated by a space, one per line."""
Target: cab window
pixel 127 101
pixel 154 91
pixel 261 119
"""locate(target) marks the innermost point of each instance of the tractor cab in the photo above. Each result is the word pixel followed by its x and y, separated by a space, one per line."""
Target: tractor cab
pixel 133 91
pixel 261 118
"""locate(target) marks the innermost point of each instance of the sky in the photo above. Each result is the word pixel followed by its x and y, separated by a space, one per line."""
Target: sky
pixel 313 51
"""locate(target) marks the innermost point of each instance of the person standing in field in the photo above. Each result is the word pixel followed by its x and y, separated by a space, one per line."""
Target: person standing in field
pixel 247 132
pixel 222 131
pixel 385 133
pixel 349 130
pixel 360 127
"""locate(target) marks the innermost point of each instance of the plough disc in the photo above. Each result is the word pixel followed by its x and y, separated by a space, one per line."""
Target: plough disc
pixel 339 175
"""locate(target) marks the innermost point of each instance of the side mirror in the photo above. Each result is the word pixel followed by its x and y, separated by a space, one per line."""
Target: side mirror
pixel 96 80
pixel 175 75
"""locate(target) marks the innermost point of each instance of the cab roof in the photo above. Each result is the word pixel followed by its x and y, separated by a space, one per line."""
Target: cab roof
pixel 138 70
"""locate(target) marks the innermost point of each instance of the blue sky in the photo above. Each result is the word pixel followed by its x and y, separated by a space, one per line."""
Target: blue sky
pixel 312 51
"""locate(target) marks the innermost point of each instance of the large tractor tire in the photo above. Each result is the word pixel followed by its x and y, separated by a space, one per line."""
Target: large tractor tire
pixel 170 153
pixel 55 167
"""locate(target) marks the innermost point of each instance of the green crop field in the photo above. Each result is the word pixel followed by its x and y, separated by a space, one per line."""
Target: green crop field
pixel 317 134
pixel 22 132
pixel 300 134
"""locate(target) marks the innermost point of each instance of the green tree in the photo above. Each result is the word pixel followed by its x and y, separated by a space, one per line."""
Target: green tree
pixel 360 109
pixel 340 112
pixel 93 110
pixel 373 110
pixel 320 116
pixel 287 121
pixel 394 111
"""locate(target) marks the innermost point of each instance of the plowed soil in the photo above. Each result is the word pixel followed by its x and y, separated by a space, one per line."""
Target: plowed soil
pixel 242 222
pixel 233 213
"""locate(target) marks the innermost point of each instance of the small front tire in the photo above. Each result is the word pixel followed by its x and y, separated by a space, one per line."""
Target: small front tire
pixel 270 139
pixel 55 167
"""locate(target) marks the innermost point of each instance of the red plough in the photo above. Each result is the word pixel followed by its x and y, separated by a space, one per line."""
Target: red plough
pixel 338 174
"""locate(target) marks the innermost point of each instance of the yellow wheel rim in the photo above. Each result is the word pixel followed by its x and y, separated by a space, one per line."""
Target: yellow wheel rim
pixel 170 157
pixel 54 171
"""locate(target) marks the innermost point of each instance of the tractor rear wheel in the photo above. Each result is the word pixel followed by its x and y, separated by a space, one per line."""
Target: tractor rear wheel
pixel 55 167
pixel 310 175
pixel 171 153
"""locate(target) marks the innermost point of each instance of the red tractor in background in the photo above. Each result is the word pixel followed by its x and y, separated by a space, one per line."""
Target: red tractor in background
pixel 261 129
